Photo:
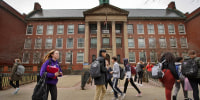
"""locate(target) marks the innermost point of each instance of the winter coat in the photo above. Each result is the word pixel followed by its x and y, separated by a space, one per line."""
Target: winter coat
pixel 197 59
pixel 139 68
pixel 14 76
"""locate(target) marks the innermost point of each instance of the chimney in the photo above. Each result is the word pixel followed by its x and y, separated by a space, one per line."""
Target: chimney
pixel 172 5
pixel 37 6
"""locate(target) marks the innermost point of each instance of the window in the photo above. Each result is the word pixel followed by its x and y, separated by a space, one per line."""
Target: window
pixel 173 43
pixel 141 43
pixel 152 43
pixel 27 44
pixel 142 56
pixel 93 58
pixel 93 28
pixel 81 28
pixel 69 57
pixel 70 43
pixel 130 28
pixel 80 42
pixel 184 54
pixel 80 57
pixel 106 42
pixel 26 57
pixel 163 43
pixel 29 30
pixel 38 43
pixel 36 57
pixel 93 42
pixel 39 29
pixel 140 28
pixel 161 29
pixel 153 57
pixel 70 29
pixel 59 42
pixel 183 42
pixel 50 29
pixel 118 59
pixel 150 28
pixel 131 43
pixel 118 28
pixel 181 29
pixel 171 29
pixel 60 57
pixel 60 29
pixel 132 57
pixel 48 44
pixel 118 42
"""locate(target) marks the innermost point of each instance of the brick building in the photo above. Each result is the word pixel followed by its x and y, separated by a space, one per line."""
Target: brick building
pixel 12 33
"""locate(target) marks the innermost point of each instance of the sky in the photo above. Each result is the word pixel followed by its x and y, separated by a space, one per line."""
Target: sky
pixel 26 6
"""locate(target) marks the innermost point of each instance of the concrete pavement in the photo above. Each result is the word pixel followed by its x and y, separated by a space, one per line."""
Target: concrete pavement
pixel 69 89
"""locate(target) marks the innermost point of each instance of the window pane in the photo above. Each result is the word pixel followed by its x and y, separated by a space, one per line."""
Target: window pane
pixel 68 57
pixel 81 28
pixel 93 28
pixel 152 43
pixel 118 28
pixel 26 57
pixel 70 43
pixel 60 29
pixel 150 28
pixel 132 57
pixel 140 29
pixel 173 43
pixel 48 43
pixel 142 56
pixel 29 29
pixel 141 43
pixel 38 43
pixel 161 29
pixel 50 29
pixel 80 42
pixel 153 56
pixel 183 42
pixel 118 59
pixel 93 43
pixel 106 42
pixel 181 29
pixel 39 29
pixel 162 42
pixel 118 42
pixel 131 43
pixel 70 29
pixel 171 29
pixel 36 57
pixel 59 42
pixel 93 58
pixel 80 57
pixel 130 28
pixel 27 44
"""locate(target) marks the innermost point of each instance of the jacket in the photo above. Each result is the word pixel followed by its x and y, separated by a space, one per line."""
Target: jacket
pixel 149 68
pixel 116 70
pixel 178 69
pixel 13 75
pixel 139 68
pixel 50 76
pixel 109 76
pixel 127 68
pixel 197 59
pixel 102 79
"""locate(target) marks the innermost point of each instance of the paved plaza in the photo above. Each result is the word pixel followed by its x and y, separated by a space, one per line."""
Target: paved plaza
pixel 69 89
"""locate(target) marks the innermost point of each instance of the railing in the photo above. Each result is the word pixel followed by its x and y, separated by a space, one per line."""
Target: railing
pixel 26 78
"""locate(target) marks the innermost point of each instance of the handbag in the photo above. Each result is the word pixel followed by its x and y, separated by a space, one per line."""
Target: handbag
pixel 187 86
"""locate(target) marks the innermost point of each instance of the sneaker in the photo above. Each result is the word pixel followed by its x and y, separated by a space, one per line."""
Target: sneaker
pixel 123 96
pixel 16 91
pixel 139 95
pixel 140 85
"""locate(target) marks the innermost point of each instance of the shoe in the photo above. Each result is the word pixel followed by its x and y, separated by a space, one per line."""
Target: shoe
pixel 140 85
pixel 115 98
pixel 139 95
pixel 174 98
pixel 16 91
pixel 123 96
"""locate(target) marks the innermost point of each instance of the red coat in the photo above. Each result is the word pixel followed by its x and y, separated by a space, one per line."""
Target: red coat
pixel 149 68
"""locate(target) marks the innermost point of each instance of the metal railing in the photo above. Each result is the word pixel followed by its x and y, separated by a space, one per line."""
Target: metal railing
pixel 26 78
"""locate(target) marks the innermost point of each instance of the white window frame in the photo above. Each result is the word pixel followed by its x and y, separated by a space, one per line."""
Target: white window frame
pixel 77 57
pixel 78 43
pixel 162 29
pixel 133 42
pixel 72 44
pixel 61 43
pixel 27 30
pixel 171 44
pixel 134 57
pixel 182 33
pixel 60 27
pixel 26 42
pixel 156 57
pixel 36 46
pixel 154 42
pixel 48 29
pixel 46 47
pixel 140 29
pixel 27 58
pixel 165 43
pixel 42 30
pixel 78 28
pixel 66 58
pixel 150 28
pixel 121 42
pixel 185 41
pixel 145 56
pixel 139 43
pixel 68 28
pixel 171 33
pixel 132 30
pixel 93 43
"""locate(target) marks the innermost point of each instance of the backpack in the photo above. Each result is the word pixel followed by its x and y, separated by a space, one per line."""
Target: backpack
pixel 157 72
pixel 95 69
pixel 40 90
pixel 122 73
pixel 189 68
pixel 20 70
pixel 177 69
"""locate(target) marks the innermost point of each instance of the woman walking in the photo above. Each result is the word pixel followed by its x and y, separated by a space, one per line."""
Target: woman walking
pixel 108 75
pixel 50 60
pixel 170 74
pixel 129 78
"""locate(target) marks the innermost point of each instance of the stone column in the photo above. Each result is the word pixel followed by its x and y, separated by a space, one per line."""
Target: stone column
pixel 113 39
pixel 98 37
pixel 86 48
pixel 126 40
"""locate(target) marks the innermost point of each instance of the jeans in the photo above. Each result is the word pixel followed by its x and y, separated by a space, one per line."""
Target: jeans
pixel 53 91
pixel 115 88
pixel 100 92
pixel 140 74
pixel 13 85
pixel 177 88
pixel 132 83
pixel 194 83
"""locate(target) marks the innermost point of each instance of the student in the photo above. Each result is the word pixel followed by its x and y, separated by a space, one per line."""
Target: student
pixel 129 78
pixel 109 75
pixel 178 64
pixel 149 69
pixel 101 81
pixel 194 81
pixel 51 59
pixel 14 77
pixel 116 76
pixel 170 74
pixel 139 70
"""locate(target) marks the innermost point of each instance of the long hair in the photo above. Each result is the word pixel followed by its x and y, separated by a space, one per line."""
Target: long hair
pixel 48 55
pixel 169 57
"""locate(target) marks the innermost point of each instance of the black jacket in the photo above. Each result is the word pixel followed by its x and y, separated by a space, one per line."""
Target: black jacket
pixel 101 80
pixel 109 76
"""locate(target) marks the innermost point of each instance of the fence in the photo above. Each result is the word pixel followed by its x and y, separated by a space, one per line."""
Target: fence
pixel 27 78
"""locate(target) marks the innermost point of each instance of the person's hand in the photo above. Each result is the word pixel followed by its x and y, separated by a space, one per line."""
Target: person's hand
pixel 178 81
pixel 111 72
pixel 56 74
pixel 61 73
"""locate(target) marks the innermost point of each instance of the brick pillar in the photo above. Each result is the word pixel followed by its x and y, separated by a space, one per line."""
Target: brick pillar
pixel 86 49
pixel 98 37
pixel 113 39
pixel 126 40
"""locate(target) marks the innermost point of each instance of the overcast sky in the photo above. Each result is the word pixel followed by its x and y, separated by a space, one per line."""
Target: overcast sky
pixel 26 6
